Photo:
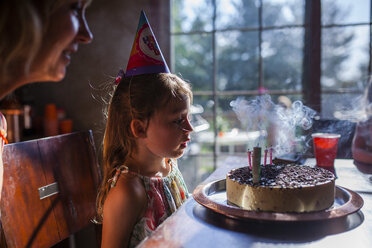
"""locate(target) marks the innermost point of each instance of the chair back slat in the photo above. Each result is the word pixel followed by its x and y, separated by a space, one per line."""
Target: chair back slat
pixel 68 160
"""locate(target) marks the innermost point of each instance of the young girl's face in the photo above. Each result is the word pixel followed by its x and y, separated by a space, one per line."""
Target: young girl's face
pixel 169 129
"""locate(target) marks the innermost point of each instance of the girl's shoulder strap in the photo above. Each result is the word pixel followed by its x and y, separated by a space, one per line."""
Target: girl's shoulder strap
pixel 172 162
pixel 121 170
pixel 3 129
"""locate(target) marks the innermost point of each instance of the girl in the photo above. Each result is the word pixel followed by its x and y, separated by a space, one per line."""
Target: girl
pixel 147 129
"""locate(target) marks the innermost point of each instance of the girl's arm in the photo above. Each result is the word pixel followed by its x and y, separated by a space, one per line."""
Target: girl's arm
pixel 123 207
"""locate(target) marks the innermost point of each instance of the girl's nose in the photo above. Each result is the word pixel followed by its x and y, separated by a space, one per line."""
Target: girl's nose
pixel 188 127
pixel 84 35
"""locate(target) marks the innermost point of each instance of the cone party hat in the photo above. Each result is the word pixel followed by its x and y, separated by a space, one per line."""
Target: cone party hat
pixel 146 56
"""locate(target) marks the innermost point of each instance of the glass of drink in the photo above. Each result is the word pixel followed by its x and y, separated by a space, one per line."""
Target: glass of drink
pixel 325 149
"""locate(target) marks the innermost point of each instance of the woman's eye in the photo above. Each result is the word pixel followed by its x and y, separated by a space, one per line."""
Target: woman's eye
pixel 76 8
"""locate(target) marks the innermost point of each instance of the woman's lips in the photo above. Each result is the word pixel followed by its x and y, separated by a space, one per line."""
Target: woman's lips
pixel 66 54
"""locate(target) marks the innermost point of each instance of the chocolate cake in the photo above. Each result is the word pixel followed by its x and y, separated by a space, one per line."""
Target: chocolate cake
pixel 281 188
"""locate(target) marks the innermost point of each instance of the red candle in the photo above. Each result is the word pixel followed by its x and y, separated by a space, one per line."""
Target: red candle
pixel 265 157
pixel 249 159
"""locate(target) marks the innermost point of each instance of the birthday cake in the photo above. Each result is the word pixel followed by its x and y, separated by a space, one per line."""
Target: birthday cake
pixel 281 188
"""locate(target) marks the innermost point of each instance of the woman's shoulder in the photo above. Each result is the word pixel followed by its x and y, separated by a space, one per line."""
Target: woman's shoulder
pixel 364 129
pixel 365 123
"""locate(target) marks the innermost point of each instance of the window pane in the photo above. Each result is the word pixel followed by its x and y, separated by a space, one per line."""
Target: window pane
pixel 235 135
pixel 202 138
pixel 340 106
pixel 237 60
pixel 345 56
pixel 197 163
pixel 269 121
pixel 195 169
pixel 283 12
pixel 191 15
pixel 193 59
pixel 202 114
pixel 236 14
pixel 345 11
pixel 282 52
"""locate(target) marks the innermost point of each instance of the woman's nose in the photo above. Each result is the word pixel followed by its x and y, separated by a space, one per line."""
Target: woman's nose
pixel 84 35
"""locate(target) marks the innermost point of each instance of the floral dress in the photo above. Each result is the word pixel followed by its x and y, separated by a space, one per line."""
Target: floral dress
pixel 3 128
pixel 164 196
pixel 3 140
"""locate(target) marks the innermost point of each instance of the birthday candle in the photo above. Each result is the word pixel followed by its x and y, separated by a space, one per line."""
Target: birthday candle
pixel 256 173
pixel 249 159
pixel 265 157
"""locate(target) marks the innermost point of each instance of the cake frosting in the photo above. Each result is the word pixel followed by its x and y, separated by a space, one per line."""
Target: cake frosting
pixel 281 188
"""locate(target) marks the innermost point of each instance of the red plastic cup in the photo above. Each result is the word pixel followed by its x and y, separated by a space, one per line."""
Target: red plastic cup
pixel 325 149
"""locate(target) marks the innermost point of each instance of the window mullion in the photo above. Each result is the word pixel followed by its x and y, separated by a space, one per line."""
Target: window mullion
pixel 311 73
pixel 260 68
pixel 370 39
pixel 215 98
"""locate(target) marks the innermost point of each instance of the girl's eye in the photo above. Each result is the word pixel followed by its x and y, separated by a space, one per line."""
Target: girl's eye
pixel 178 121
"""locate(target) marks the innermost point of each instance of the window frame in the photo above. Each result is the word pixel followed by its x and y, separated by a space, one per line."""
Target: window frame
pixel 311 74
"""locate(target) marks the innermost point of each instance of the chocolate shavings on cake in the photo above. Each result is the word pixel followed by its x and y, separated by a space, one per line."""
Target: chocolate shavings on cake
pixel 294 176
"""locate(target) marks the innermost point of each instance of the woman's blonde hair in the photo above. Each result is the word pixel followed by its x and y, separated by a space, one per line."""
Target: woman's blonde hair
pixel 136 97
pixel 22 26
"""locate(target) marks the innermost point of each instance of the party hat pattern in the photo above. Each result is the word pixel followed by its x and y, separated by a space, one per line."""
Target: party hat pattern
pixel 146 56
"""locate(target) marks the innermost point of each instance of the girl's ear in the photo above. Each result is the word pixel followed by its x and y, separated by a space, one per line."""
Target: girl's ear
pixel 138 128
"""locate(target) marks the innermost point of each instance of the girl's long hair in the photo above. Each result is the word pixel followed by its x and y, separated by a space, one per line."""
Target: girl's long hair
pixel 136 97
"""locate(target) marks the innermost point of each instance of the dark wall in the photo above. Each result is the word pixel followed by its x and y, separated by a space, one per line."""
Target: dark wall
pixel 113 24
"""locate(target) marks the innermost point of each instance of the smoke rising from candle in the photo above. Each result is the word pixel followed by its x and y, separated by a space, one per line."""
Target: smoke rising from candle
pixel 351 110
pixel 279 123
pixel 360 109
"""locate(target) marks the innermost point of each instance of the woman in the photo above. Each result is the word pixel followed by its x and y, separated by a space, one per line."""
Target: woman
pixel 38 38
pixel 362 141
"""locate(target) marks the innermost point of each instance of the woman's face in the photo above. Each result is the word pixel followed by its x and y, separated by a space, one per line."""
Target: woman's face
pixel 67 28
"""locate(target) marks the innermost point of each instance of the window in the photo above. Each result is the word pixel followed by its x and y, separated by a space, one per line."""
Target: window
pixel 346 34
pixel 243 48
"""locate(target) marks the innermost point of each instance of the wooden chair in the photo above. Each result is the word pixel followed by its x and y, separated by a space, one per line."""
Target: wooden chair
pixel 49 189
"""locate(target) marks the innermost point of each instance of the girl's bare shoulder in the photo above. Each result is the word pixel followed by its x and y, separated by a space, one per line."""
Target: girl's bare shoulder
pixel 128 195
pixel 123 208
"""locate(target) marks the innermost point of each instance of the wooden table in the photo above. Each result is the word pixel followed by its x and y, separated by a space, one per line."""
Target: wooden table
pixel 195 226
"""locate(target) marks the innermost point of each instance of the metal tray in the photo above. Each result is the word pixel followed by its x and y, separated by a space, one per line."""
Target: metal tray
pixel 213 197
